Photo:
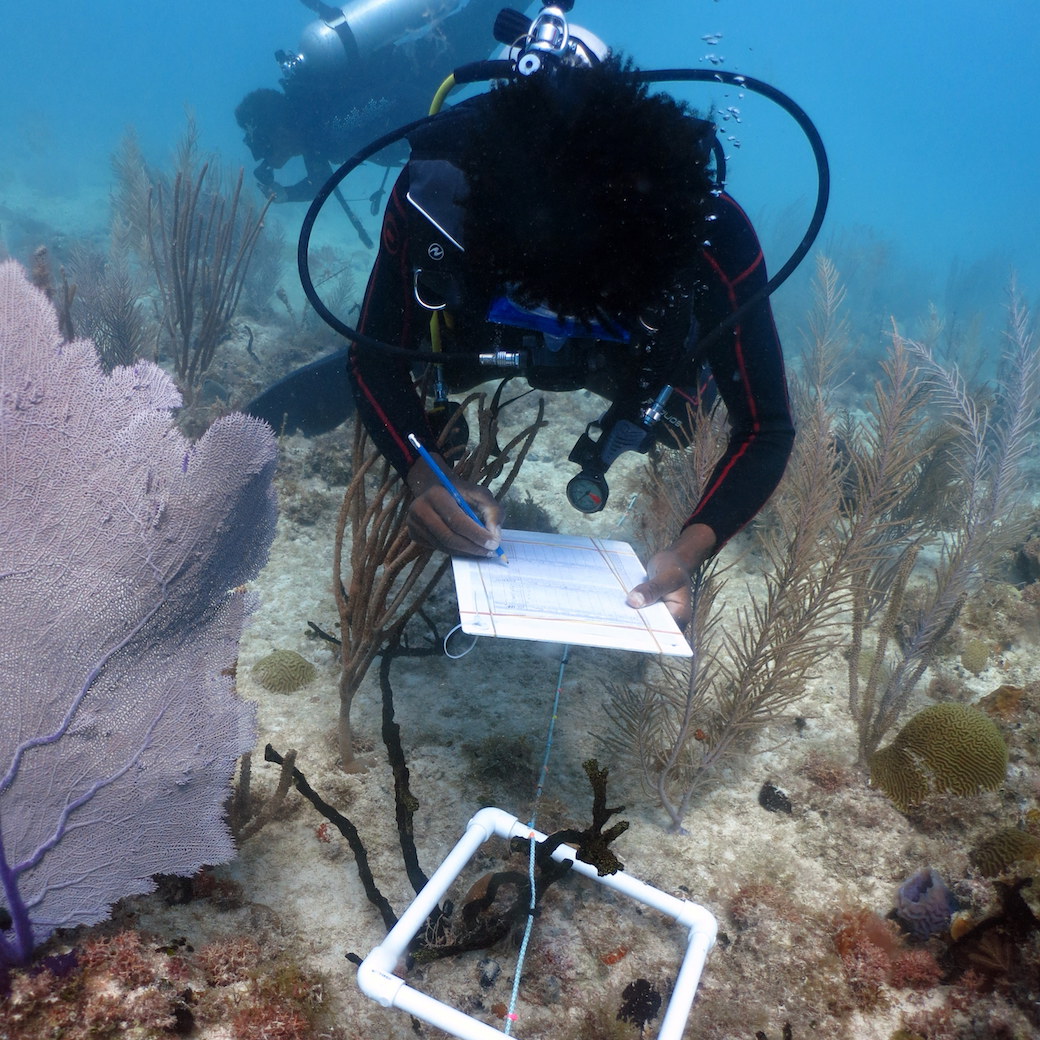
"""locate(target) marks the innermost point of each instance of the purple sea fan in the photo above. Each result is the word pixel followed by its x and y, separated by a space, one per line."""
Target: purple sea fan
pixel 924 904
pixel 120 615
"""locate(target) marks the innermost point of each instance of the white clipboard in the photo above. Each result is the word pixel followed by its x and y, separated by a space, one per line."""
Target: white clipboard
pixel 563 589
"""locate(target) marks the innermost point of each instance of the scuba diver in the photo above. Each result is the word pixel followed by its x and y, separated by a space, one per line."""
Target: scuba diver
pixel 571 227
pixel 360 70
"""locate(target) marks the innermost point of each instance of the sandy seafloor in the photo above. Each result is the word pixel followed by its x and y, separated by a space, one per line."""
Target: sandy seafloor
pixel 473 731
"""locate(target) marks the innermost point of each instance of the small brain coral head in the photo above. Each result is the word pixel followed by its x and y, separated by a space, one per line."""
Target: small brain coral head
pixel 948 747
pixel 283 671
pixel 975 656
pixel 998 853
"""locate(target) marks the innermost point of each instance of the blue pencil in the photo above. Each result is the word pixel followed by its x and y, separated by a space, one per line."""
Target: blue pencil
pixel 443 478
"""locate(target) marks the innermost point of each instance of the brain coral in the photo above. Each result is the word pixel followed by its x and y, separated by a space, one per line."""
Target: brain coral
pixel 975 656
pixel 283 671
pixel 998 852
pixel 947 747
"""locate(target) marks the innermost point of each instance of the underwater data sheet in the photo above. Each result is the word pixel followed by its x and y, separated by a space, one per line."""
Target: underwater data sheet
pixel 563 589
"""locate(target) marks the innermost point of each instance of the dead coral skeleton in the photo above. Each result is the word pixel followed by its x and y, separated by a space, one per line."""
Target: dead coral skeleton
pixel 500 900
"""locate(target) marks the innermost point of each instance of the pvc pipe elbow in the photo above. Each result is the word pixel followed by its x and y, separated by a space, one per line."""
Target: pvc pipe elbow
pixel 700 921
pixel 377 982
pixel 492 820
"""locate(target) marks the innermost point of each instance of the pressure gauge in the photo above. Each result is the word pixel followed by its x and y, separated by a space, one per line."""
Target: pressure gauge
pixel 587 492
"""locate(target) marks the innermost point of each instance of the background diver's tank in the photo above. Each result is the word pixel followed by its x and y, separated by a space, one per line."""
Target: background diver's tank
pixel 337 43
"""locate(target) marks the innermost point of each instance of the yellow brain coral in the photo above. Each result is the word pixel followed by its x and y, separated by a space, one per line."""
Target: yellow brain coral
pixel 947 747
pixel 975 656
pixel 997 853
pixel 283 671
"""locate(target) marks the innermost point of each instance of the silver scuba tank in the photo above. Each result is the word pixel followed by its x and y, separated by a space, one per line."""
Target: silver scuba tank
pixel 333 45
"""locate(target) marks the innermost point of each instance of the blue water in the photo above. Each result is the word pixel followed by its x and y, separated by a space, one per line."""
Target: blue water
pixel 926 109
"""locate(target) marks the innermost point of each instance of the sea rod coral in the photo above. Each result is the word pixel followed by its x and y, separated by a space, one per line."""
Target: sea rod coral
pixel 123 548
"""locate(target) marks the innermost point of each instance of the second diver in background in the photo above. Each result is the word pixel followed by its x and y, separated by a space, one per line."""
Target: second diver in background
pixel 360 71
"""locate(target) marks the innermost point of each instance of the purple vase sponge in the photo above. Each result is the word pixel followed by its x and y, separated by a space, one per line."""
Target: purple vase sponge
pixel 924 905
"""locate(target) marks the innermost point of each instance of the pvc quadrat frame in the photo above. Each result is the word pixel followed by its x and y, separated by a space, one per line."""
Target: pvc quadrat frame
pixel 377 980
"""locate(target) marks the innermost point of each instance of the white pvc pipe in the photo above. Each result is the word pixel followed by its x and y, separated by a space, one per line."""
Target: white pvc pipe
pixel 376 978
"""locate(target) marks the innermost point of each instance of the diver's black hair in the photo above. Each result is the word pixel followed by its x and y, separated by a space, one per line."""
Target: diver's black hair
pixel 261 114
pixel 585 191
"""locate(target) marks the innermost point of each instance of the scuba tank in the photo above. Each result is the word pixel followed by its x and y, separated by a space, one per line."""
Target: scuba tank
pixel 342 38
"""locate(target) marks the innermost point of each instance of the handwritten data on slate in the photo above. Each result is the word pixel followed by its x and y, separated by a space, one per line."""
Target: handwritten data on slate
pixel 563 589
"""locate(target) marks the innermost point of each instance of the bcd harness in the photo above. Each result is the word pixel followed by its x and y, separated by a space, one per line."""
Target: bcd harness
pixel 634 368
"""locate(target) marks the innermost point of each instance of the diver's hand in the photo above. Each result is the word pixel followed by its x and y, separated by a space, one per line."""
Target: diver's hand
pixel 435 519
pixel 275 192
pixel 669 572
pixel 668 582
pixel 264 175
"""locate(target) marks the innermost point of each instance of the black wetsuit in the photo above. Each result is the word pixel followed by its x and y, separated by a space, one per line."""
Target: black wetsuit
pixel 746 363
pixel 333 126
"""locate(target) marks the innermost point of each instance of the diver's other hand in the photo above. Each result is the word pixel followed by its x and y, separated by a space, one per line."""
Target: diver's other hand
pixel 668 582
pixel 669 572
pixel 436 521
pixel 275 192
pixel 264 175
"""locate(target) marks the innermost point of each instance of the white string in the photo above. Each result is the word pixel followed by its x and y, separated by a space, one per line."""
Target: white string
pixel 511 1015
pixel 448 653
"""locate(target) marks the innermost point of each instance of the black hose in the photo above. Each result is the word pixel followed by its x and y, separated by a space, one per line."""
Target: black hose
pixel 823 174
pixel 487 70
pixel 307 227
pixel 474 72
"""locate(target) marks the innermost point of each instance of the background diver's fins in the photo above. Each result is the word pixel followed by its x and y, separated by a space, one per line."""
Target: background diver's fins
pixel 312 400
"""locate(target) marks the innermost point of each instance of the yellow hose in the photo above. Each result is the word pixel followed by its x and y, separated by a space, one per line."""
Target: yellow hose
pixel 435 106
pixel 442 92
